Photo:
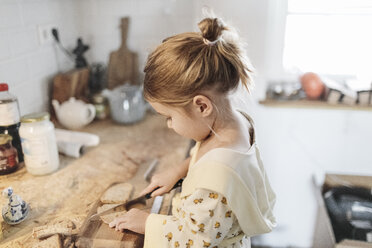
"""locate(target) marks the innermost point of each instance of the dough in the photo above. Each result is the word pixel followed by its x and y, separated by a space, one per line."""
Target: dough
pixel 118 193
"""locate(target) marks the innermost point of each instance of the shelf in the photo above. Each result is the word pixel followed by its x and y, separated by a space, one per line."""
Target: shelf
pixel 313 104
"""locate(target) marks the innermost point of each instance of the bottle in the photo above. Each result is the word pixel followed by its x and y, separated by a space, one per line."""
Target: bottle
pixel 39 144
pixel 8 155
pixel 10 117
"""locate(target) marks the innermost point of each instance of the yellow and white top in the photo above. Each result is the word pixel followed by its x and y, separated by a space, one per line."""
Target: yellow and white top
pixel 226 198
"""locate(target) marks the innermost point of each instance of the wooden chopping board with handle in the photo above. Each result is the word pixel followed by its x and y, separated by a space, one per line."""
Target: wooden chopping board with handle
pixel 123 63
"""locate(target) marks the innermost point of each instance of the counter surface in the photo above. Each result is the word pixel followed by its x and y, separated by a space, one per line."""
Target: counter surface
pixel 70 192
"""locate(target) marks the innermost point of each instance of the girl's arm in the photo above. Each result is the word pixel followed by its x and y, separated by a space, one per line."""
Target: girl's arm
pixel 165 180
pixel 203 219
pixel 183 168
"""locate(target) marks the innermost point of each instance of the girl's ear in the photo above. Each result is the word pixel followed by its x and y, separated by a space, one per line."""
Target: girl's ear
pixel 202 105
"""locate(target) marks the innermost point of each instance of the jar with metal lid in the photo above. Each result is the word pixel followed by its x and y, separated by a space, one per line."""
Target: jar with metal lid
pixel 8 155
pixel 39 144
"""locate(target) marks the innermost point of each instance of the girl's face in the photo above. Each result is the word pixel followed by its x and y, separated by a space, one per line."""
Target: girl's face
pixel 188 124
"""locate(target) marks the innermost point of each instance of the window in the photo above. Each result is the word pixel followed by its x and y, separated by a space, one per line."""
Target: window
pixel 331 37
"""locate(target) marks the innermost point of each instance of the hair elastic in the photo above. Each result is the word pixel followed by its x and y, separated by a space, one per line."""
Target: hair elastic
pixel 210 43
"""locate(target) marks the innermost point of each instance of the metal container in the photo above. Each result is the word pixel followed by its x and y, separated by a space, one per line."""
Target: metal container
pixel 127 105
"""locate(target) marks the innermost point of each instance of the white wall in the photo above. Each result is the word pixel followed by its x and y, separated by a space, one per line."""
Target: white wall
pixel 297 143
pixel 250 18
pixel 25 64
pixel 150 22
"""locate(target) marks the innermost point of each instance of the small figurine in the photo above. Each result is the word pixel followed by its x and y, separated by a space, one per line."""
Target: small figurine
pixel 17 209
pixel 81 48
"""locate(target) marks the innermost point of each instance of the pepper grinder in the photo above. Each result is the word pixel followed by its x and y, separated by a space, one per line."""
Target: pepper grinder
pixel 17 209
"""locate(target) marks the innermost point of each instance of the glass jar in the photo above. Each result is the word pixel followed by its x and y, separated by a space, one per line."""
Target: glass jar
pixel 100 102
pixel 9 109
pixel 8 155
pixel 39 144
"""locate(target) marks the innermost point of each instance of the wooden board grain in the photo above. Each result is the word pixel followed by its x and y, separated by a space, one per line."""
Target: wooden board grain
pixel 71 84
pixel 123 63
pixel 98 234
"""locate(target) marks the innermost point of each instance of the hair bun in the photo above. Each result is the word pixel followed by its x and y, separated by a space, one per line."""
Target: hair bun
pixel 211 28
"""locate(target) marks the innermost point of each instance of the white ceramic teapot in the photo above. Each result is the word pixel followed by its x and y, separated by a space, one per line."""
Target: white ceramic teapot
pixel 74 114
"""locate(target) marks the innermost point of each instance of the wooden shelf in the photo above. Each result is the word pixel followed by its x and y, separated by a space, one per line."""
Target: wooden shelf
pixel 312 104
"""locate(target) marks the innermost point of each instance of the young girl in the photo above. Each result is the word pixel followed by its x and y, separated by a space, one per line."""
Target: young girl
pixel 226 197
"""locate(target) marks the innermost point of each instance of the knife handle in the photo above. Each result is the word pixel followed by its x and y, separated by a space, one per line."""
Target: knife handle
pixel 178 184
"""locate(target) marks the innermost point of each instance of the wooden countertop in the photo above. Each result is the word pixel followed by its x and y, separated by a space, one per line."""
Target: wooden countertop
pixel 71 191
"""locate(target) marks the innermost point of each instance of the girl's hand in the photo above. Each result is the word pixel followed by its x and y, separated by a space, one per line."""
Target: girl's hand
pixel 134 220
pixel 164 180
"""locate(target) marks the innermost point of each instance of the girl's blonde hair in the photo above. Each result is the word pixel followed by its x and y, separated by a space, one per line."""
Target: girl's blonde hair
pixel 188 63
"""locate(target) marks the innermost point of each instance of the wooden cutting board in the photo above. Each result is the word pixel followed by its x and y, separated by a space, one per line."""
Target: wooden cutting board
pixel 97 234
pixel 123 63
pixel 73 83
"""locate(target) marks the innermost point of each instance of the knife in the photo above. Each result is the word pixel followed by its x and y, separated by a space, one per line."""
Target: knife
pixel 126 205
pixel 150 170
pixel 157 204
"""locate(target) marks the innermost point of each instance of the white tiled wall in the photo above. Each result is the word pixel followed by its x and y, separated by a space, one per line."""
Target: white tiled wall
pixel 150 22
pixel 26 65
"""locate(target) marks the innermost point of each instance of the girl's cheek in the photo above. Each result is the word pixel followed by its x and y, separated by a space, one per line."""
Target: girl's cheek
pixel 178 129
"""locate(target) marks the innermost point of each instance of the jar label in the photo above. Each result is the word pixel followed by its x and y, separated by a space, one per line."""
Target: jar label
pixel 9 113
pixel 3 162
pixel 35 152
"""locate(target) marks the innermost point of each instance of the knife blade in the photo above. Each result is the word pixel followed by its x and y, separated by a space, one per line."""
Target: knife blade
pixel 127 205
pixel 157 204
pixel 147 175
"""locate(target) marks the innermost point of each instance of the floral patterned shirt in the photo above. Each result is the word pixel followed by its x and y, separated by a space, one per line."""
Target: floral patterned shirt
pixel 202 219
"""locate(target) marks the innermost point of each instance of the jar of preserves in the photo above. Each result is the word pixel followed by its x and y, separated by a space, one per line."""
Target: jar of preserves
pixel 39 144
pixel 8 155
